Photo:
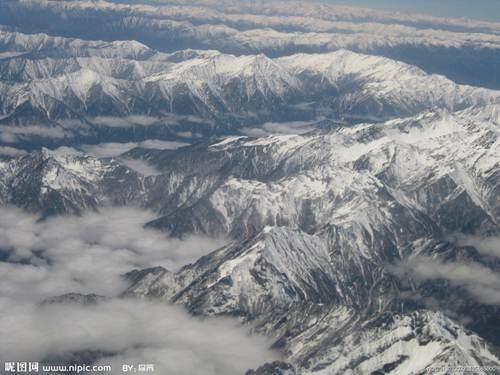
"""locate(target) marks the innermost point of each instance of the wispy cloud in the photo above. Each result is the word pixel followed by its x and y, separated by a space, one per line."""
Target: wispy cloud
pixel 112 149
pixel 12 134
pixel 481 282
pixel 140 166
pixel 11 151
pixel 124 122
pixel 485 245
pixel 294 127
pixel 291 127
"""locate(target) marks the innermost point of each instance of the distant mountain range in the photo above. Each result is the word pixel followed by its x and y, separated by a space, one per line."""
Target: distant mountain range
pixel 68 80
pixel 466 51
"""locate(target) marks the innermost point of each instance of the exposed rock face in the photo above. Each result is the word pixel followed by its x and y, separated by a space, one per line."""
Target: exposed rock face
pixel 53 182
pixel 275 368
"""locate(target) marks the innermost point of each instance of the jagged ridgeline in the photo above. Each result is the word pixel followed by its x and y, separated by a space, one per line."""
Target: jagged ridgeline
pixel 349 158
pixel 83 91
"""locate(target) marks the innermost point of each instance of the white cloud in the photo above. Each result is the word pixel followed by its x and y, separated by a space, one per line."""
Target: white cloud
pixel 138 331
pixel 161 145
pixel 140 166
pixel 485 245
pixel 142 120
pixel 268 128
pixel 481 282
pixel 11 151
pixel 12 134
pixel 254 132
pixel 294 127
pixel 111 149
pixel 87 254
pixel 189 134
pixel 124 122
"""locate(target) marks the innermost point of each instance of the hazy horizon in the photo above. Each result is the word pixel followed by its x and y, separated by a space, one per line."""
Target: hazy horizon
pixel 486 10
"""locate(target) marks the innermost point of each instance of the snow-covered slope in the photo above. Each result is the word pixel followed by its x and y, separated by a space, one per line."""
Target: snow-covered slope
pixel 53 182
pixel 414 169
pixel 321 220
pixel 110 80
pixel 413 343
pixel 290 287
pixel 374 86
pixel 325 311
pixel 53 46
pixel 464 50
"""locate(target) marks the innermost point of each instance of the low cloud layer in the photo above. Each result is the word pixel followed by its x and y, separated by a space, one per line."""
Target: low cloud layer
pixel 11 151
pixel 135 332
pixel 140 166
pixel 111 149
pixel 485 245
pixel 480 282
pixel 13 134
pixel 125 122
pixel 87 254
pixel 293 127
